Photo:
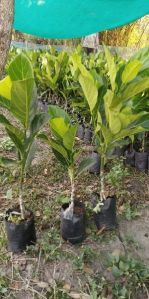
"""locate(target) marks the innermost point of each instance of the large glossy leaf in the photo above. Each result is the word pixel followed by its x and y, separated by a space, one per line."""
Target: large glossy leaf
pixel 38 122
pixel 21 97
pixel 69 137
pixel 4 121
pixel 55 111
pixel 59 126
pixel 127 117
pixel 108 102
pixel 12 130
pixel 5 103
pixel 131 70
pixel 20 68
pixel 143 122
pixel 111 67
pixel 60 158
pixel 59 148
pixel 16 139
pixel 90 90
pixel 30 154
pixel 114 122
pixel 33 104
pixel 127 132
pixel 135 88
pixel 85 165
pixel 5 88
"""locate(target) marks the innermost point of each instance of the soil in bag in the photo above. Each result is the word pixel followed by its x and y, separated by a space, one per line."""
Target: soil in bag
pixel 95 168
pixel 106 218
pixel 88 136
pixel 80 132
pixel 119 151
pixel 129 158
pixel 73 230
pixel 141 161
pixel 22 234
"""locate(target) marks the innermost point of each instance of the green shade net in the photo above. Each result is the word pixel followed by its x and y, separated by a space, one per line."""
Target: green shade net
pixel 75 18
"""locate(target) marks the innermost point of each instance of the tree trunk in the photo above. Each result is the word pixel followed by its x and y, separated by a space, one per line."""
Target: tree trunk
pixel 6 21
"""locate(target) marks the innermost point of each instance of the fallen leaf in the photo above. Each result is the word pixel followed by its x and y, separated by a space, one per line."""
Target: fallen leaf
pixel 38 214
pixel 16 285
pixel 88 270
pixel 67 287
pixel 45 171
pixel 117 252
pixel 85 296
pixel 74 295
pixel 100 232
pixel 43 285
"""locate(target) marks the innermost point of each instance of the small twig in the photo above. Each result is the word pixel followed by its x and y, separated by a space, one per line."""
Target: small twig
pixel 38 293
pixel 101 231
pixel 147 292
pixel 24 259
pixel 38 265
pixel 15 213
pixel 12 269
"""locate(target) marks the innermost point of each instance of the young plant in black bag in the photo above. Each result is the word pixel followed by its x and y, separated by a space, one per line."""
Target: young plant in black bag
pixel 18 96
pixel 141 155
pixel 112 117
pixel 63 146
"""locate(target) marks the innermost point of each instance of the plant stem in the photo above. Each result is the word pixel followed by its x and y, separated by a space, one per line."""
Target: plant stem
pixel 102 185
pixel 72 188
pixel 69 211
pixel 143 143
pixel 21 195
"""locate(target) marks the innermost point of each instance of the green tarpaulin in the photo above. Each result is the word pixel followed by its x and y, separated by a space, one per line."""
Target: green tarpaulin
pixel 75 18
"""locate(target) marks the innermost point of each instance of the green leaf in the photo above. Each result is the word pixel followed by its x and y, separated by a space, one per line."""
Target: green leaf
pixel 111 66
pixel 59 126
pixel 116 271
pixel 99 122
pixel 59 148
pixel 5 103
pixel 127 132
pixel 43 137
pixel 38 122
pixel 85 165
pixel 57 112
pixel 30 154
pixel 131 70
pixel 135 88
pixel 13 134
pixel 112 114
pixel 143 122
pixel 90 90
pixel 114 122
pixel 5 88
pixel 108 102
pixel 69 137
pixel 4 121
pixel 4 161
pixel 60 158
pixel 123 266
pixel 22 92
pixel 20 68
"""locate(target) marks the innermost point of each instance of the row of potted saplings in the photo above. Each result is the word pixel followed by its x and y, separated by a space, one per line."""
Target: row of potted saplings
pixel 21 228
pixel 19 221
pixel 136 153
